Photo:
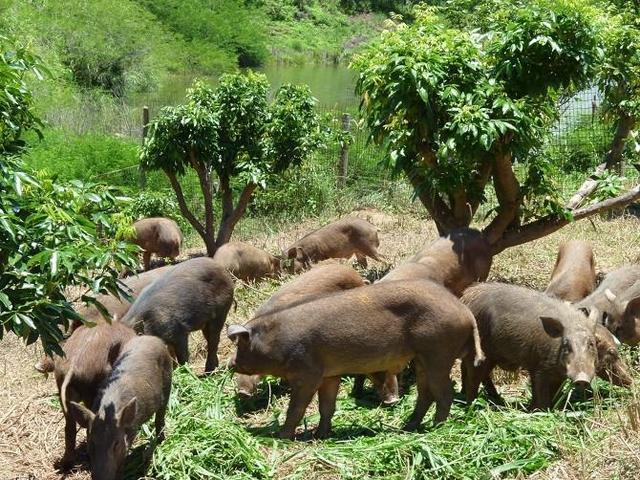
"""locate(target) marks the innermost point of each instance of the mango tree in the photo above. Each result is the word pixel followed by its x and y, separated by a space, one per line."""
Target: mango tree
pixel 462 110
pixel 50 244
pixel 235 140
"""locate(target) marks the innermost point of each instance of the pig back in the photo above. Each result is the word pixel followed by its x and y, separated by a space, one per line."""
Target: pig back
pixel 159 235
pixel 245 261
pixel 318 282
pixel 574 274
pixel 617 281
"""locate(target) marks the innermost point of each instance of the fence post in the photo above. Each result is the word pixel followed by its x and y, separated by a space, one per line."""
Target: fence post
pixel 343 167
pixel 142 180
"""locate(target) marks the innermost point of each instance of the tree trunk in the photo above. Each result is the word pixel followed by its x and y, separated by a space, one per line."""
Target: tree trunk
pixel 204 177
pixel 231 215
pixel 508 194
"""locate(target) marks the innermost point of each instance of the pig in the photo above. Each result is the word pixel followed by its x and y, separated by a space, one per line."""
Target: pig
pixel 364 330
pixel 523 328
pixel 572 280
pixel 609 365
pixel 318 282
pixel 116 306
pixel 195 295
pixel 617 299
pixel 89 355
pixel 340 239
pixel 158 235
pixel 137 388
pixel 456 261
pixel 247 262
pixel 574 274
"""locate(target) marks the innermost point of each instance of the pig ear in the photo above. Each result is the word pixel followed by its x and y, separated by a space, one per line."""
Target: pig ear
pixel 292 252
pixel 633 306
pixel 127 414
pixel 82 414
pixel 235 332
pixel 552 326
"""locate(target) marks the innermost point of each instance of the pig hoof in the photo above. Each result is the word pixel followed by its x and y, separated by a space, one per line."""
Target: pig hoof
pixel 286 435
pixel 410 427
pixel 65 463
pixel 244 394
pixel 390 401
pixel 321 434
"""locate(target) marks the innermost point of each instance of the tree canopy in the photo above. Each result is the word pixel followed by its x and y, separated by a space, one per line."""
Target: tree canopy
pixel 464 104
pixel 234 135
pixel 50 233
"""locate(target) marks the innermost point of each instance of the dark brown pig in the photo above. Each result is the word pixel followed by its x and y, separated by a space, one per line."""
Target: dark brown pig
pixel 574 275
pixel 375 328
pixel 116 306
pixel 617 299
pixel 137 388
pixel 247 262
pixel 610 365
pixel 318 282
pixel 341 239
pixel 194 295
pixel 89 356
pixel 456 261
pixel 523 328
pixel 158 235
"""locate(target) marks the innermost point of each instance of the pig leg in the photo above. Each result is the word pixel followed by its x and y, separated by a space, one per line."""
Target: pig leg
pixel 439 381
pixel 386 384
pixel 362 260
pixel 146 259
pixel 159 422
pixel 425 399
pixel 302 391
pixel 472 377
pixel 544 388
pixel 327 394
pixel 358 386
pixel 211 332
pixel 70 431
pixel 181 348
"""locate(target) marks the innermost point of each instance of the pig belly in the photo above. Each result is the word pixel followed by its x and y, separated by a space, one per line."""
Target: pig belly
pixel 342 364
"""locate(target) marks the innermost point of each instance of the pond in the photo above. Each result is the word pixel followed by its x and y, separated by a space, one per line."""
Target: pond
pixel 332 85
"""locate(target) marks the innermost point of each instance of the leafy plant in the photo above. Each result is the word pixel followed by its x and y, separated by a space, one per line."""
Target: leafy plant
pixel 457 109
pixel 235 134
pixel 52 236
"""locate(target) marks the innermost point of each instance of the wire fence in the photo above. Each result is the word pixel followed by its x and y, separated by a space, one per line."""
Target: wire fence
pixel 578 143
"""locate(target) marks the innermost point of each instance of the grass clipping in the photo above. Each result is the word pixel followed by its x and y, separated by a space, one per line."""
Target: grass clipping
pixel 212 434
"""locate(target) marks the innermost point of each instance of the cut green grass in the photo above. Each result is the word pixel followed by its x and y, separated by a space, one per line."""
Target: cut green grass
pixel 212 434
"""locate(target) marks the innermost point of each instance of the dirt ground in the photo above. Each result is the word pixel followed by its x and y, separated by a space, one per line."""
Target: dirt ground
pixel 31 423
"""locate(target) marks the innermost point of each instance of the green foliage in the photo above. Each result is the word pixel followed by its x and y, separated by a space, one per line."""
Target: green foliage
pixel 236 133
pixel 52 236
pixel 227 25
pixel 447 101
pixel 69 156
pixel 16 110
pixel 359 6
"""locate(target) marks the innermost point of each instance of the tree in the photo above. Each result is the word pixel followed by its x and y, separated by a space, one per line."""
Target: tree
pixel 464 109
pixel 49 240
pixel 235 134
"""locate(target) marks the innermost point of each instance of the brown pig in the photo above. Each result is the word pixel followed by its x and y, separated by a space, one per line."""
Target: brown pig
pixel 523 328
pixel 137 388
pixel 572 280
pixel 318 282
pixel 456 261
pixel 89 356
pixel 617 299
pixel 364 330
pixel 158 235
pixel 574 275
pixel 116 306
pixel 247 262
pixel 194 295
pixel 610 366
pixel 340 239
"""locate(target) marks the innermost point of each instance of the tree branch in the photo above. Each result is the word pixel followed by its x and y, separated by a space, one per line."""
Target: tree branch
pixel 547 225
pixel 480 183
pixel 507 190
pixel 205 185
pixel 232 217
pixel 177 188
pixel 612 158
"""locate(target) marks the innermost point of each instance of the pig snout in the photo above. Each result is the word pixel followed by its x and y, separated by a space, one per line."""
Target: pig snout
pixel 582 380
